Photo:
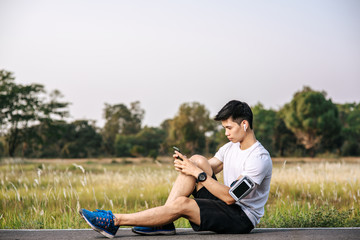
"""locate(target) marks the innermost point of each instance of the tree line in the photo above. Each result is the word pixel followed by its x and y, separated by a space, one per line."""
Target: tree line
pixel 33 124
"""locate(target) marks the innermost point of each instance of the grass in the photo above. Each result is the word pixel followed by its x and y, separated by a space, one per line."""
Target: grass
pixel 314 195
pixel 49 194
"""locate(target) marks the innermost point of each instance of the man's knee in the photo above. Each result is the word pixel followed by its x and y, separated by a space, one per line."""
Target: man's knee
pixel 199 160
pixel 183 205
pixel 202 162
pixel 177 203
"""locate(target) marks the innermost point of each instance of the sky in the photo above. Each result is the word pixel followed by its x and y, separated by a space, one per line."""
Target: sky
pixel 166 53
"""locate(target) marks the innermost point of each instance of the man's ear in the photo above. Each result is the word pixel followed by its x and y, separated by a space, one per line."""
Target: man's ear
pixel 245 124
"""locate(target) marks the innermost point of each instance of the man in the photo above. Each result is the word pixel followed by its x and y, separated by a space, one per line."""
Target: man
pixel 213 208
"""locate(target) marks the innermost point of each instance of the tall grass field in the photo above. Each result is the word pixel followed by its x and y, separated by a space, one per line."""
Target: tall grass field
pixel 48 194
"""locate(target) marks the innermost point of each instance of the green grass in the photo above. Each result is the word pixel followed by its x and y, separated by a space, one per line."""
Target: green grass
pixel 48 195
pixel 314 195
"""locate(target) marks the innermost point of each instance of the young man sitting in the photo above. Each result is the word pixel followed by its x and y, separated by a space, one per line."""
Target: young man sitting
pixel 213 208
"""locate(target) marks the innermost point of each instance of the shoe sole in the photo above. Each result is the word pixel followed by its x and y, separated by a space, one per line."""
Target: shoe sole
pixel 171 232
pixel 95 228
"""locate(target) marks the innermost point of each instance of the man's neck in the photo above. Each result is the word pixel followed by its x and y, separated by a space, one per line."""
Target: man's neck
pixel 248 141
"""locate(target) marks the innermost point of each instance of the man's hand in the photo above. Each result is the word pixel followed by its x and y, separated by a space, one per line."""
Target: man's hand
pixel 186 166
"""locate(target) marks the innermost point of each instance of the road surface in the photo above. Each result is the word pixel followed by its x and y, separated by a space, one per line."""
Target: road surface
pixel 187 233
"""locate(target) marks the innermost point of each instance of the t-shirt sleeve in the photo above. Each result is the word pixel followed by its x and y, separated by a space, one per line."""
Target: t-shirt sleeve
pixel 220 154
pixel 258 167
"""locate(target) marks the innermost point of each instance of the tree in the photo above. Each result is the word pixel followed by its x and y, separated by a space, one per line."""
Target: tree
pixel 22 106
pixel 47 139
pixel 2 148
pixel 310 116
pixel 285 142
pixel 121 120
pixel 350 120
pixel 78 139
pixel 216 139
pixel 145 143
pixel 150 139
pixel 189 127
pixel 264 126
pixel 81 140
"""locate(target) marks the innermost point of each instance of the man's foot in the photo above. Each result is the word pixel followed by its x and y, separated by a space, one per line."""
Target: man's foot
pixel 168 229
pixel 101 221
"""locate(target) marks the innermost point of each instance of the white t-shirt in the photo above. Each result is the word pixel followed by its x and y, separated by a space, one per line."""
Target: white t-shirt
pixel 254 162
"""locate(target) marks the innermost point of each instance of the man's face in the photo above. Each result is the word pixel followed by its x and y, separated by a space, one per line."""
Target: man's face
pixel 233 131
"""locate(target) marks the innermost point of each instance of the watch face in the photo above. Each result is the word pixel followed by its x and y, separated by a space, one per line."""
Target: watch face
pixel 202 177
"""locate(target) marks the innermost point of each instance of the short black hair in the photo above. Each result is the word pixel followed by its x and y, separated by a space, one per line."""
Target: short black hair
pixel 237 110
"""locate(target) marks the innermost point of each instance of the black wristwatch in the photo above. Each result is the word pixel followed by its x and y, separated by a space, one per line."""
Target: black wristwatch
pixel 202 177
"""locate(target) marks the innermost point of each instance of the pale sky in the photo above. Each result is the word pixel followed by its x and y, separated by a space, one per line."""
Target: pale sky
pixel 165 53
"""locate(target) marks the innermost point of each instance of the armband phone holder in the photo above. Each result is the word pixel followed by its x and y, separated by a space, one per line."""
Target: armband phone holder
pixel 242 188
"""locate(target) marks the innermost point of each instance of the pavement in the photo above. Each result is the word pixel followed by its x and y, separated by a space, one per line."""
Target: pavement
pixel 187 233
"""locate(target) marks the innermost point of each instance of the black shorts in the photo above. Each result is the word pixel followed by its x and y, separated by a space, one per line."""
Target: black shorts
pixel 217 216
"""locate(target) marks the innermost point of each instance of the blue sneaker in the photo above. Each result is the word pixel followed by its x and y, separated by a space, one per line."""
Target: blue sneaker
pixel 101 221
pixel 168 229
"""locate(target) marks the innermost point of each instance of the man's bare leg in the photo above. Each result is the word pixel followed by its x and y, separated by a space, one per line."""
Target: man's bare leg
pixel 181 207
pixel 177 205
pixel 184 185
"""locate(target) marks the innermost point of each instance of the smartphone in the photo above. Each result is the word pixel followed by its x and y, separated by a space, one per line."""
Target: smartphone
pixel 242 188
pixel 177 149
